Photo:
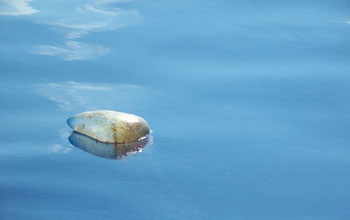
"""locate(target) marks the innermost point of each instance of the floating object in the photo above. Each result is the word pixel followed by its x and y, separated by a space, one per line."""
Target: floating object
pixel 107 150
pixel 110 126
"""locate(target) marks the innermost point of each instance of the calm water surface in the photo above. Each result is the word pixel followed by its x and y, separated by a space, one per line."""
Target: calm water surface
pixel 248 103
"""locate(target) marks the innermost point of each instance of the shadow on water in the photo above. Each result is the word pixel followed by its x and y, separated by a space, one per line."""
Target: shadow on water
pixel 114 151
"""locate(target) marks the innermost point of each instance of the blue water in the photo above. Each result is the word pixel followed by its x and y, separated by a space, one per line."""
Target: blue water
pixel 248 102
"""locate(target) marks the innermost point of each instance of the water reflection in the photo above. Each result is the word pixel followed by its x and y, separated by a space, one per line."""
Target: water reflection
pixel 108 150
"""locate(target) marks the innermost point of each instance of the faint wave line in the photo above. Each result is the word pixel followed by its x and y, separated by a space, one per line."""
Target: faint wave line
pixel 71 51
pixel 16 7
pixel 78 96
pixel 96 16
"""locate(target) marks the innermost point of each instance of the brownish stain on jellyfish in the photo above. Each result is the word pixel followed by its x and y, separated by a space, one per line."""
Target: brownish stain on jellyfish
pixel 115 134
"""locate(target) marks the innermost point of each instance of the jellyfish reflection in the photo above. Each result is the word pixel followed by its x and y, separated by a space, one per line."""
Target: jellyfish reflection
pixel 107 150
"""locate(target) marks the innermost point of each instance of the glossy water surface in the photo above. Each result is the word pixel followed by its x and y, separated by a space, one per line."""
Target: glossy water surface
pixel 248 102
